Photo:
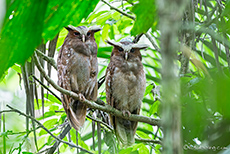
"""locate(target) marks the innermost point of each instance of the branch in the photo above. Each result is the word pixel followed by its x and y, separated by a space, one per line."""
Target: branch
pixel 152 42
pixel 118 10
pixel 48 59
pixel 137 38
pixel 43 127
pixel 136 138
pixel 106 108
pixel 44 86
pixel 101 122
pixel 61 136
pixel 148 140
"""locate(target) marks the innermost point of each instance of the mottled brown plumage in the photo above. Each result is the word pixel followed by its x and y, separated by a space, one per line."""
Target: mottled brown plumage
pixel 125 87
pixel 77 71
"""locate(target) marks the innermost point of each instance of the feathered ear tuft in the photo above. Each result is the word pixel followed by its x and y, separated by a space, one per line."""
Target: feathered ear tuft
pixel 113 43
pixel 95 29
pixel 70 28
pixel 140 46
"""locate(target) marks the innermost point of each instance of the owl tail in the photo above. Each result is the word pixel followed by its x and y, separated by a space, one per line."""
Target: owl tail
pixel 76 114
pixel 125 131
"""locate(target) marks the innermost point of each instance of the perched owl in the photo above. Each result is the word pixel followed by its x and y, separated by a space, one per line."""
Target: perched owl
pixel 77 71
pixel 125 87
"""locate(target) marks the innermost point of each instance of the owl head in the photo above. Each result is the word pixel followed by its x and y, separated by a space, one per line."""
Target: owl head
pixel 126 49
pixel 82 33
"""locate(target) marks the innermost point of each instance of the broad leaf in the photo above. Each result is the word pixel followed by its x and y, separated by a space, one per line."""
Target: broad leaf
pixel 28 21
pixel 21 31
pixel 145 12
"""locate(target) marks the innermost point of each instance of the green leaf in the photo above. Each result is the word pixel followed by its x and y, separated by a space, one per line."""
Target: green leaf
pixel 111 33
pixel 110 141
pixel 124 23
pixel 226 11
pixel 148 89
pixel 50 123
pixel 21 32
pixel 52 98
pixel 143 135
pixel 17 68
pixel 28 21
pixel 47 115
pixel 83 144
pixel 105 32
pixel 57 16
pixel 154 107
pixel 27 153
pixel 125 151
pixel 143 149
pixel 145 12
pixel 95 15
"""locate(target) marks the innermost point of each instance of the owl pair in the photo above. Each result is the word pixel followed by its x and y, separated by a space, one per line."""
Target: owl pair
pixel 125 79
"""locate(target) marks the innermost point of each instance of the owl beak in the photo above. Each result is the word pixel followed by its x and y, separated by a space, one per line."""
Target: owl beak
pixel 126 55
pixel 83 38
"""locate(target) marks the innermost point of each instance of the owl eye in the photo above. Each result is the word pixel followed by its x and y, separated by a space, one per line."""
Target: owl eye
pixel 76 33
pixel 120 49
pixel 132 50
pixel 88 34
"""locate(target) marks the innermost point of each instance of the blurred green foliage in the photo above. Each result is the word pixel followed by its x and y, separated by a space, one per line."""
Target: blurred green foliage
pixel 28 22
pixel 205 99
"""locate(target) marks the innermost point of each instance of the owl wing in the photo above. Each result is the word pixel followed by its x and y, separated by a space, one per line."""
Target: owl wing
pixel 92 86
pixel 64 82
pixel 63 78
pixel 109 83
pixel 109 79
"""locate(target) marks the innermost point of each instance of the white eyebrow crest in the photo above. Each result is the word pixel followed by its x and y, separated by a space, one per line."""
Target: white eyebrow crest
pixel 127 48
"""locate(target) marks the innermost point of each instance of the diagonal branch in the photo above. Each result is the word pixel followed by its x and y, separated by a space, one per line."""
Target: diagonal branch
pixel 50 60
pixel 152 42
pixel 101 122
pixel 105 107
pixel 61 136
pixel 43 127
pixel 44 86
pixel 118 10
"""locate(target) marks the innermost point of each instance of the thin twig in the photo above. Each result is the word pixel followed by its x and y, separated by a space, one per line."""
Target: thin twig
pixel 101 122
pixel 44 86
pixel 106 108
pixel 118 10
pixel 152 42
pixel 43 127
pixel 137 38
pixel 24 132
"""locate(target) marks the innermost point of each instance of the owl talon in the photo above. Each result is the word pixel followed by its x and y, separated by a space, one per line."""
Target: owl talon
pixel 126 113
pixel 81 97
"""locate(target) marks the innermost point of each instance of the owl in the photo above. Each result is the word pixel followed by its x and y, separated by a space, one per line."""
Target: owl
pixel 125 87
pixel 77 71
